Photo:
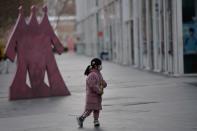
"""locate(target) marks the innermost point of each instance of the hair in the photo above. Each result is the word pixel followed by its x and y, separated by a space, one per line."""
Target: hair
pixel 94 63
pixel 87 71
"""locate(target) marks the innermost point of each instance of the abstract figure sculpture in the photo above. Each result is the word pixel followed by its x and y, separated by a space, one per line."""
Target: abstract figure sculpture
pixel 33 43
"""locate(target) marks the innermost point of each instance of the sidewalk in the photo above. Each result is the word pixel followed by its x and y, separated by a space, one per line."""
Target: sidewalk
pixel 133 101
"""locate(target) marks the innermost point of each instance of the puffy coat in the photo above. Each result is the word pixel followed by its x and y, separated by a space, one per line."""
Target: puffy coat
pixel 94 91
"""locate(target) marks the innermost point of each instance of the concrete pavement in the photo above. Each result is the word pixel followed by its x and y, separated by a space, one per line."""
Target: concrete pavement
pixel 133 101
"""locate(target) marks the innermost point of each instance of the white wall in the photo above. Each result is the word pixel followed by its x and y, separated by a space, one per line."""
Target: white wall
pixel 121 31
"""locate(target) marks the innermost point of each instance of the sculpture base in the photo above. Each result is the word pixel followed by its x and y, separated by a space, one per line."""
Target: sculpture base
pixel 30 93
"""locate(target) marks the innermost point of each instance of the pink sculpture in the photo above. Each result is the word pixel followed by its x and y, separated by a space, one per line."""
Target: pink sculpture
pixel 32 43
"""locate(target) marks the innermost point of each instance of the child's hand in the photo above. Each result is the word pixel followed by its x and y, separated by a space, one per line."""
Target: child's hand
pixel 104 83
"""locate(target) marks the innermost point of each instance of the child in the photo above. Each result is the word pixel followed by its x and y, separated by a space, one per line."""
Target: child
pixel 94 91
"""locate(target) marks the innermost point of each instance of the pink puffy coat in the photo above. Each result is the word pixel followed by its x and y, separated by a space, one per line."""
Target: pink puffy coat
pixel 93 90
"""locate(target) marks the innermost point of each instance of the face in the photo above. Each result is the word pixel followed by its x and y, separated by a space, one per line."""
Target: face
pixel 100 67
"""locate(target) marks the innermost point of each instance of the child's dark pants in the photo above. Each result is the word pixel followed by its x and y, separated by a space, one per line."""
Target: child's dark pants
pixel 88 112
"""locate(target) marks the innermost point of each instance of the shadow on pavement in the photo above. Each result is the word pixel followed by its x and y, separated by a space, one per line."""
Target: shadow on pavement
pixel 91 129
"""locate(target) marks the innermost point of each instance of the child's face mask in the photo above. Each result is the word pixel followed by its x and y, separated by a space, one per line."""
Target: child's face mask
pixel 100 67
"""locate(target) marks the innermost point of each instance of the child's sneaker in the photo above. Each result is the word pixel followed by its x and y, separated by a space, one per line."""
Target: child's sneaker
pixel 80 122
pixel 96 123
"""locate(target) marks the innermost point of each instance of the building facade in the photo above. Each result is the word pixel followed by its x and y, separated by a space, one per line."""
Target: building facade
pixel 62 18
pixel 148 34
